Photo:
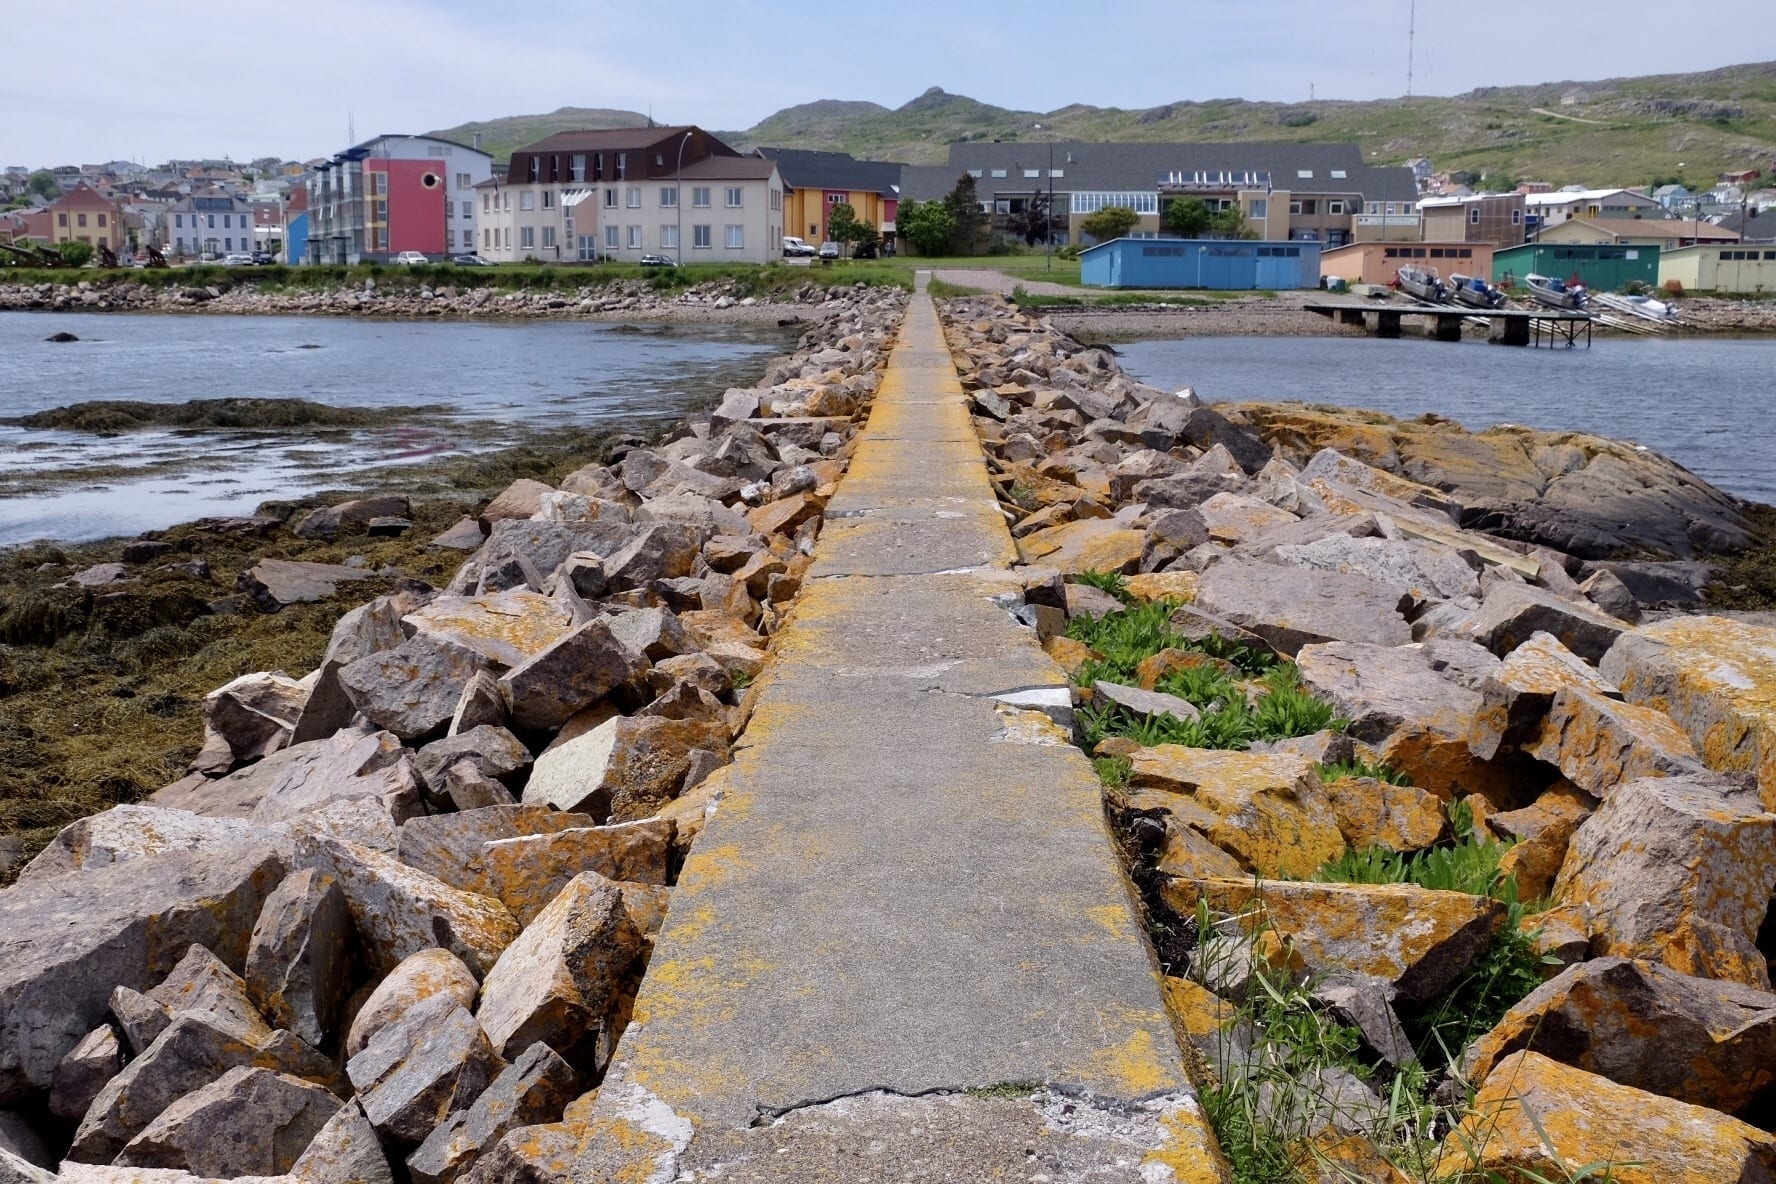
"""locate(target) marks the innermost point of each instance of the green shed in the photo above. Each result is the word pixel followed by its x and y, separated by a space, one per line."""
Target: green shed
pixel 1602 267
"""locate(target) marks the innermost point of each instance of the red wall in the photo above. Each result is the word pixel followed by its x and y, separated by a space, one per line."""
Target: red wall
pixel 416 214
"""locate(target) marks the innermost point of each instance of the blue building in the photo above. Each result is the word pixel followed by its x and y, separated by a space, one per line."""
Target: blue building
pixel 296 239
pixel 1230 264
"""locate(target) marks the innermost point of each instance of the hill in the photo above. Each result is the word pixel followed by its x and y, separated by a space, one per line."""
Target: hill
pixel 501 136
pixel 1612 131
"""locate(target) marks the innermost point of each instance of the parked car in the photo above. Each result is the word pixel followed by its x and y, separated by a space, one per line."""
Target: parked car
pixel 470 261
pixel 263 258
pixel 795 248
pixel 236 259
pixel 411 258
pixel 658 261
pixel 831 251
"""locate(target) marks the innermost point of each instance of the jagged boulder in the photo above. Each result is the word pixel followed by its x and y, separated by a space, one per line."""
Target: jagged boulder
pixel 1268 812
pixel 298 969
pixel 449 846
pixel 533 1089
pixel 417 978
pixel 421 1068
pixel 1516 696
pixel 1598 742
pixel 247 1121
pixel 1511 613
pixel 1291 607
pixel 579 669
pixel 527 873
pixel 624 769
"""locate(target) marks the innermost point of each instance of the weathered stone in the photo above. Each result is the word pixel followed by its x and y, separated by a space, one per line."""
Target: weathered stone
pixel 128 832
pixel 659 552
pixel 1270 812
pixel 579 669
pixel 399 910
pixel 491 749
pixel 1154 669
pixel 411 690
pixel 359 633
pixel 83 1073
pixel 1207 428
pixel 346 1151
pixel 1374 813
pixel 419 976
pixel 1511 613
pixel 1676 870
pixel 290 786
pixel 139 1018
pixel 448 846
pixel 534 1088
pixel 1083 600
pixel 273 583
pixel 1427 571
pixel 248 1121
pixel 1637 1023
pixel 299 959
pixel 1537 1115
pixel 1419 940
pixel 1291 607
pixel 1461 661
pixel 1603 589
pixel 480 704
pixel 558 980
pixel 1178 587
pixel 252 716
pixel 421 1068
pixel 465 535
pixel 1234 518
pixel 16 1169
pixel 1598 742
pixel 546 545
pixel 328 521
pixel 624 769
pixel 1717 678
pixel 506 628
pixel 1333 1158
pixel 1368 1006
pixel 66 941
pixel 1171 535
pixel 1409 715
pixel 527 873
pixel 654 633
pixel 1540 833
pixel 521 499
pixel 1353 475
pixel 1092 544
pixel 1516 697
pixel 1144 702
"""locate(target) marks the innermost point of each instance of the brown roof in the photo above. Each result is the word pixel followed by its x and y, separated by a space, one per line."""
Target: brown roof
pixel 611 139
pixel 1659 228
pixel 730 168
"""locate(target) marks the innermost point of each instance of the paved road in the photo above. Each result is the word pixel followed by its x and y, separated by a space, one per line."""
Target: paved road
pixel 998 281
pixel 904 949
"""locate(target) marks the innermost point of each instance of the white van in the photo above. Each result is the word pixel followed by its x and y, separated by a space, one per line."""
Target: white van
pixel 795 248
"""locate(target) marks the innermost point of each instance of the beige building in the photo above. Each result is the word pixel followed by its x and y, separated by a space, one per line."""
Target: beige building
pixel 1495 218
pixel 1665 233
pixel 1747 269
pixel 1380 263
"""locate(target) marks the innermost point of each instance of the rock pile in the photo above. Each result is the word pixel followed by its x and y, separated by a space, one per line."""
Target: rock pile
pixel 401 906
pixel 1625 769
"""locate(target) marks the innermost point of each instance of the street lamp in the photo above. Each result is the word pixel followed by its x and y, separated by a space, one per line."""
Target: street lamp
pixel 678 201
pixel 1048 216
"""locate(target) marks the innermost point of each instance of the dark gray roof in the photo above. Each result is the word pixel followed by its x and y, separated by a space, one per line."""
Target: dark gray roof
pixel 1759 228
pixel 1138 167
pixel 805 169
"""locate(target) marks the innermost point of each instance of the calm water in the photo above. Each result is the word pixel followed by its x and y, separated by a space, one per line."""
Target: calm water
pixel 1710 404
pixel 498 383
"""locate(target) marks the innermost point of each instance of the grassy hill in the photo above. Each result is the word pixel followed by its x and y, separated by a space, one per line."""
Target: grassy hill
pixel 501 136
pixel 1616 131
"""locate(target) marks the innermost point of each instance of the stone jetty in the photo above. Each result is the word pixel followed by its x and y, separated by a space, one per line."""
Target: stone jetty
pixel 953 759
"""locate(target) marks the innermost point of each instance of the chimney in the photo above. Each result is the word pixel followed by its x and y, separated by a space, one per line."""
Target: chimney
pixel 477 141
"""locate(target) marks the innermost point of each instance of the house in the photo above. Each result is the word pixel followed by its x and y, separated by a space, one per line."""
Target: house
pixel 1578 96
pixel 1379 262
pixel 1668 233
pixel 815 182
pixel 295 207
pixel 19 226
pixel 1741 178
pixel 1551 209
pixel 1602 267
pixel 1725 269
pixel 1498 219
pixel 1285 191
pixel 616 194
pixel 1674 197
pixel 85 215
pixel 210 222
pixel 1752 228
pixel 1224 264
pixel 395 193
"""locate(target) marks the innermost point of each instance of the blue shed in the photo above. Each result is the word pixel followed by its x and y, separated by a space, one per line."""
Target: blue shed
pixel 1232 264
pixel 296 244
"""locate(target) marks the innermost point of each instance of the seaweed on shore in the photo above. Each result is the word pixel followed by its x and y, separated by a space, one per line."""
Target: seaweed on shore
pixel 128 415
pixel 1746 580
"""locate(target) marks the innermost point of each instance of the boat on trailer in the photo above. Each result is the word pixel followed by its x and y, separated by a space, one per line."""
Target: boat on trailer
pixel 1475 292
pixel 1555 293
pixel 1423 283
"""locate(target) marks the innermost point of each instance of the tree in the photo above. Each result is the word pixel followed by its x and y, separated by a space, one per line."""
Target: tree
pixel 925 224
pixel 43 183
pixel 1110 222
pixel 843 225
pixel 969 221
pixel 1190 217
pixel 75 253
pixel 1032 224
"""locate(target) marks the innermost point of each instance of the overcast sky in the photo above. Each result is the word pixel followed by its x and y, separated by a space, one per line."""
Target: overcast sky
pixel 283 78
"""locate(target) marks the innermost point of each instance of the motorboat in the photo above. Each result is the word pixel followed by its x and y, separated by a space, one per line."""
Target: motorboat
pixel 1475 292
pixel 1424 283
pixel 1555 293
pixel 1644 307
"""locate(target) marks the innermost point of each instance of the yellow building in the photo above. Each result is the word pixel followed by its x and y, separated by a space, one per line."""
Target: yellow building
pixel 815 182
pixel 84 215
pixel 1748 268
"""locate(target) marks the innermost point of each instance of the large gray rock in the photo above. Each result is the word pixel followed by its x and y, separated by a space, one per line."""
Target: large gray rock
pixel 299 960
pixel 1516 696
pixel 346 1151
pixel 18 1138
pixel 624 769
pixel 528 873
pixel 16 1169
pixel 273 583
pixel 66 941
pixel 411 690
pixel 83 1073
pixel 1511 613
pixel 247 1121
pixel 546 545
pixel 1291 607
pixel 1426 570
pixel 399 910
pixel 293 785
pixel 418 977
pixel 533 1089
pixel 251 717
pixel 505 628
pixel 580 669
pixel 328 521
pixel 363 631
pixel 129 832
pixel 660 552
pixel 1599 742
pixel 655 633
pixel 521 499
pixel 1144 702
pixel 448 846
pixel 557 981
pixel 493 751
pixel 420 1069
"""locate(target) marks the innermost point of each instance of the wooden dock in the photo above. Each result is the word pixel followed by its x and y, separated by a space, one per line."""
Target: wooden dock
pixel 1510 326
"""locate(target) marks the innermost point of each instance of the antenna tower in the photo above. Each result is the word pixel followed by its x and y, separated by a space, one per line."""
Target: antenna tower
pixel 1411 41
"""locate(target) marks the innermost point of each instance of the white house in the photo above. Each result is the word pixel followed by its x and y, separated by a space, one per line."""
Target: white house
pixel 1563 206
pixel 210 222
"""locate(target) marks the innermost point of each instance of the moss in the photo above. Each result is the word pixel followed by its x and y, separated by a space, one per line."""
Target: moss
pixel 122 415
pixel 1747 579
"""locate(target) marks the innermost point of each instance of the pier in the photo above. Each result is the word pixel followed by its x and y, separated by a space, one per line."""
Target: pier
pixel 1510 326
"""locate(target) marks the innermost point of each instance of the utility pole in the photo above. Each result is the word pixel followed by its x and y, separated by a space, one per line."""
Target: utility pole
pixel 678 202
pixel 1411 41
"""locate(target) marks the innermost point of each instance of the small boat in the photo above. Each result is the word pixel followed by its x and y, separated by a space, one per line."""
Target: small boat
pixel 1652 310
pixel 1555 293
pixel 1424 283
pixel 1475 292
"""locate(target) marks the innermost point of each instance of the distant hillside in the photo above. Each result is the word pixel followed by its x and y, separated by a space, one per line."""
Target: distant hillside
pixel 1616 131
pixel 501 136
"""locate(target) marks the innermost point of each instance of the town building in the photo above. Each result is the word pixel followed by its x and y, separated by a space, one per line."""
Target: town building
pixel 1752 228
pixel 1551 209
pixel 1669 233
pixel 25 226
pixel 1602 267
pixel 1743 269
pixel 208 223
pixel 622 193
pixel 392 194
pixel 815 182
pixel 1380 263
pixel 1494 218
pixel 1674 196
pixel 85 215
pixel 1296 192
pixel 1226 264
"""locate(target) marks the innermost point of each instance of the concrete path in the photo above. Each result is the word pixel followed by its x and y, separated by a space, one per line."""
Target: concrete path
pixel 908 914
pixel 988 280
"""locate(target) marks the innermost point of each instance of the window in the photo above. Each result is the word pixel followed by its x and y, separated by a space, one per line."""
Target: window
pixel 487 238
pixel 669 237
pixel 1516 217
pixel 526 238
pixel 1304 174
pixel 228 243
pixel 1032 173
pixel 1140 203
pixel 486 202
pixel 998 172
pixel 622 166
pixel 610 199
pixel 635 238
pixel 211 217
pixel 80 219
pixel 437 150
pixel 700 196
pixel 1390 252
pixel 530 169
pixel 975 173
pixel 1002 206
pixel 700 237
pixel 632 197
pixel 527 200
pixel 668 197
pixel 833 199
pixel 1335 207
pixel 1260 208
pixel 736 238
pixel 507 236
pixel 179 221
pixel 735 196
pixel 1295 207
pixel 464 181
pixel 577 170
pixel 548 237
pixel 611 239
pixel 1338 174
pixel 548 199
pixel 1465 253
pixel 102 220
pixel 468 209
pixel 506 201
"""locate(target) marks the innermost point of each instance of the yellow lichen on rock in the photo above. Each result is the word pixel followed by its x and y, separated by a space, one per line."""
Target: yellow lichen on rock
pixel 1271 813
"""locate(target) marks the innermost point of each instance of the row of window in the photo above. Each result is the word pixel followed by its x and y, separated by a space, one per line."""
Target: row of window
pixel 700 198
pixel 1744 255
pixel 1029 174
pixel 1474 216
pixel 1140 203
pixel 246 220
pixel 1434 252
pixel 227 242
pixel 615 237
pixel 62 220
